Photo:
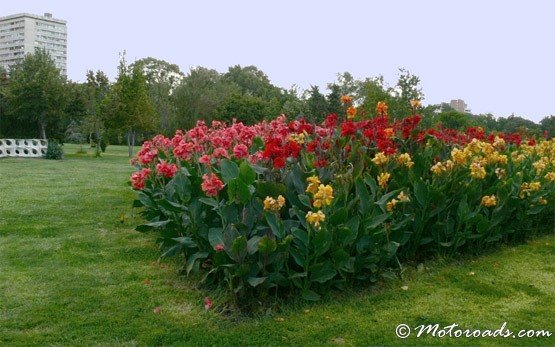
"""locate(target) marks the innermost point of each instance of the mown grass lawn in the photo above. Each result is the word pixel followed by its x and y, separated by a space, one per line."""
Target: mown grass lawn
pixel 73 271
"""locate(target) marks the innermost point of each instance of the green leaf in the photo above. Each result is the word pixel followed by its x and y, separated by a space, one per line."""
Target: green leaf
pixel 185 241
pixel 192 261
pixel 152 225
pixel 252 244
pixel 257 145
pixel 276 228
pixel 246 173
pixel 362 194
pixel 339 217
pixel 309 295
pixel 267 245
pixel 391 248
pixel 172 251
pixel 322 272
pixel 209 201
pixel 238 191
pixel 305 200
pixel 300 235
pixel 239 245
pixel 376 221
pixel 298 256
pixel 215 236
pixel 420 192
pixel 272 189
pixel 229 170
pixel 383 200
pixel 321 242
pixel 255 281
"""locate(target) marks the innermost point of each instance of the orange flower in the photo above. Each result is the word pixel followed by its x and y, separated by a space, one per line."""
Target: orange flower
pixel 381 108
pixel 351 112
pixel 389 132
pixel 346 99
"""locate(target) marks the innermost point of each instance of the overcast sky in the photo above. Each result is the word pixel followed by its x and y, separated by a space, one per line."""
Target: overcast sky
pixel 498 56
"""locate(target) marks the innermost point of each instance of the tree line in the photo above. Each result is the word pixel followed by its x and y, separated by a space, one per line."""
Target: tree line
pixel 154 96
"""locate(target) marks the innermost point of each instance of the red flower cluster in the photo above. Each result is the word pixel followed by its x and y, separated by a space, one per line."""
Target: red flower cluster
pixel 138 179
pixel 211 184
pixel 165 169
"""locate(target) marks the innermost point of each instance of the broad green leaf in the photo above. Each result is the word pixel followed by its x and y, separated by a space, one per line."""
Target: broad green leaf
pixel 215 236
pixel 322 272
pixel 246 173
pixel 267 245
pixel 229 170
pixel 255 281
pixel 252 244
pixel 310 295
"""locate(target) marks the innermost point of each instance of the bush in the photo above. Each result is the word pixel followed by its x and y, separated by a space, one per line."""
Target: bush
pixel 293 207
pixel 54 150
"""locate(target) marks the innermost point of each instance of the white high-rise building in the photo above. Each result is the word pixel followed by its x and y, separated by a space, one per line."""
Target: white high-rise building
pixel 22 33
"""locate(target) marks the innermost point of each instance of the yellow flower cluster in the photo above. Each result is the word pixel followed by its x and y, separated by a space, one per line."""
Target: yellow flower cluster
pixel 541 165
pixel 271 204
pixel 383 178
pixel 315 218
pixel 324 196
pixel 405 159
pixel 550 176
pixel 477 171
pixel 499 143
pixel 402 197
pixel 380 159
pixel 542 201
pixel 313 183
pixel 489 201
pixel 500 173
pixel 527 188
pixel 298 138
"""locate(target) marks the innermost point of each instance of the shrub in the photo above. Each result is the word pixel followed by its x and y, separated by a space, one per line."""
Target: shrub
pixel 294 207
pixel 54 150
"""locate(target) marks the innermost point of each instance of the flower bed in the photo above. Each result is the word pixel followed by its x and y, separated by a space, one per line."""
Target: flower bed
pixel 293 207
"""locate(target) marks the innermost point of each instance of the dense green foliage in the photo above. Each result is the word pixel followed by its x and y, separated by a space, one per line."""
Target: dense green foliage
pixel 54 150
pixel 92 279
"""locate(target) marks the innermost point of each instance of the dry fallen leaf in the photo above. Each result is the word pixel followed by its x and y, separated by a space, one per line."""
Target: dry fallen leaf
pixel 405 287
pixel 147 281
pixel 339 341
pixel 280 319
pixel 306 311
pixel 156 310
pixel 471 273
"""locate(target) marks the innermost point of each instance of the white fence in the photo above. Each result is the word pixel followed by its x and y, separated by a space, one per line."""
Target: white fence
pixel 28 148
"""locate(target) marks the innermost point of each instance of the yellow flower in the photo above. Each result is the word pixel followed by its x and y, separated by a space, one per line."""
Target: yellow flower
pixel 499 143
pixel 391 205
pixel 449 165
pixel 477 171
pixel 351 112
pixel 313 182
pixel 298 138
pixel 415 103
pixel 271 204
pixel 550 176
pixel 526 188
pixel 459 156
pixel 438 168
pixel 380 159
pixel 540 165
pixel 489 201
pixel 535 186
pixel 403 197
pixel 405 159
pixel 383 178
pixel 500 173
pixel 315 218
pixel 542 201
pixel 323 196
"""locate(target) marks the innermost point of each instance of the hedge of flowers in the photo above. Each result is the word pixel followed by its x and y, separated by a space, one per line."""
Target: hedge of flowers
pixel 287 207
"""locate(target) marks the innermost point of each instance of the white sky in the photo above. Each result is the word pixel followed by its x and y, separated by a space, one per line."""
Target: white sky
pixel 498 56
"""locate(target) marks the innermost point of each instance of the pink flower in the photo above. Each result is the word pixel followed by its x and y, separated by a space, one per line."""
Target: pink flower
pixel 240 151
pixel 207 303
pixel 205 159
pixel 184 150
pixel 211 184
pixel 220 152
pixel 165 169
pixel 219 248
pixel 138 179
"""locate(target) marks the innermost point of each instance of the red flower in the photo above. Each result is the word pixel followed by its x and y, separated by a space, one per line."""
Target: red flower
pixel 207 303
pixel 165 169
pixel 321 163
pixel 348 128
pixel 279 162
pixel 211 184
pixel 240 151
pixel 138 179
pixel 331 121
pixel 184 150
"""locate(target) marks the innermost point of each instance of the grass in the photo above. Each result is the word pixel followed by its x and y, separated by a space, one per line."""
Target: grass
pixel 73 271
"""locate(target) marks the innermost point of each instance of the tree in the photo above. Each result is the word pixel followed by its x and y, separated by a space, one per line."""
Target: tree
pixel 334 100
pixel 317 105
pixel 3 101
pixel 548 124
pixel 162 79
pixel 37 95
pixel 129 108
pixel 97 90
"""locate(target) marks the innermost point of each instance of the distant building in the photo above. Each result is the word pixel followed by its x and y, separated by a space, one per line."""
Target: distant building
pixel 459 105
pixel 22 33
